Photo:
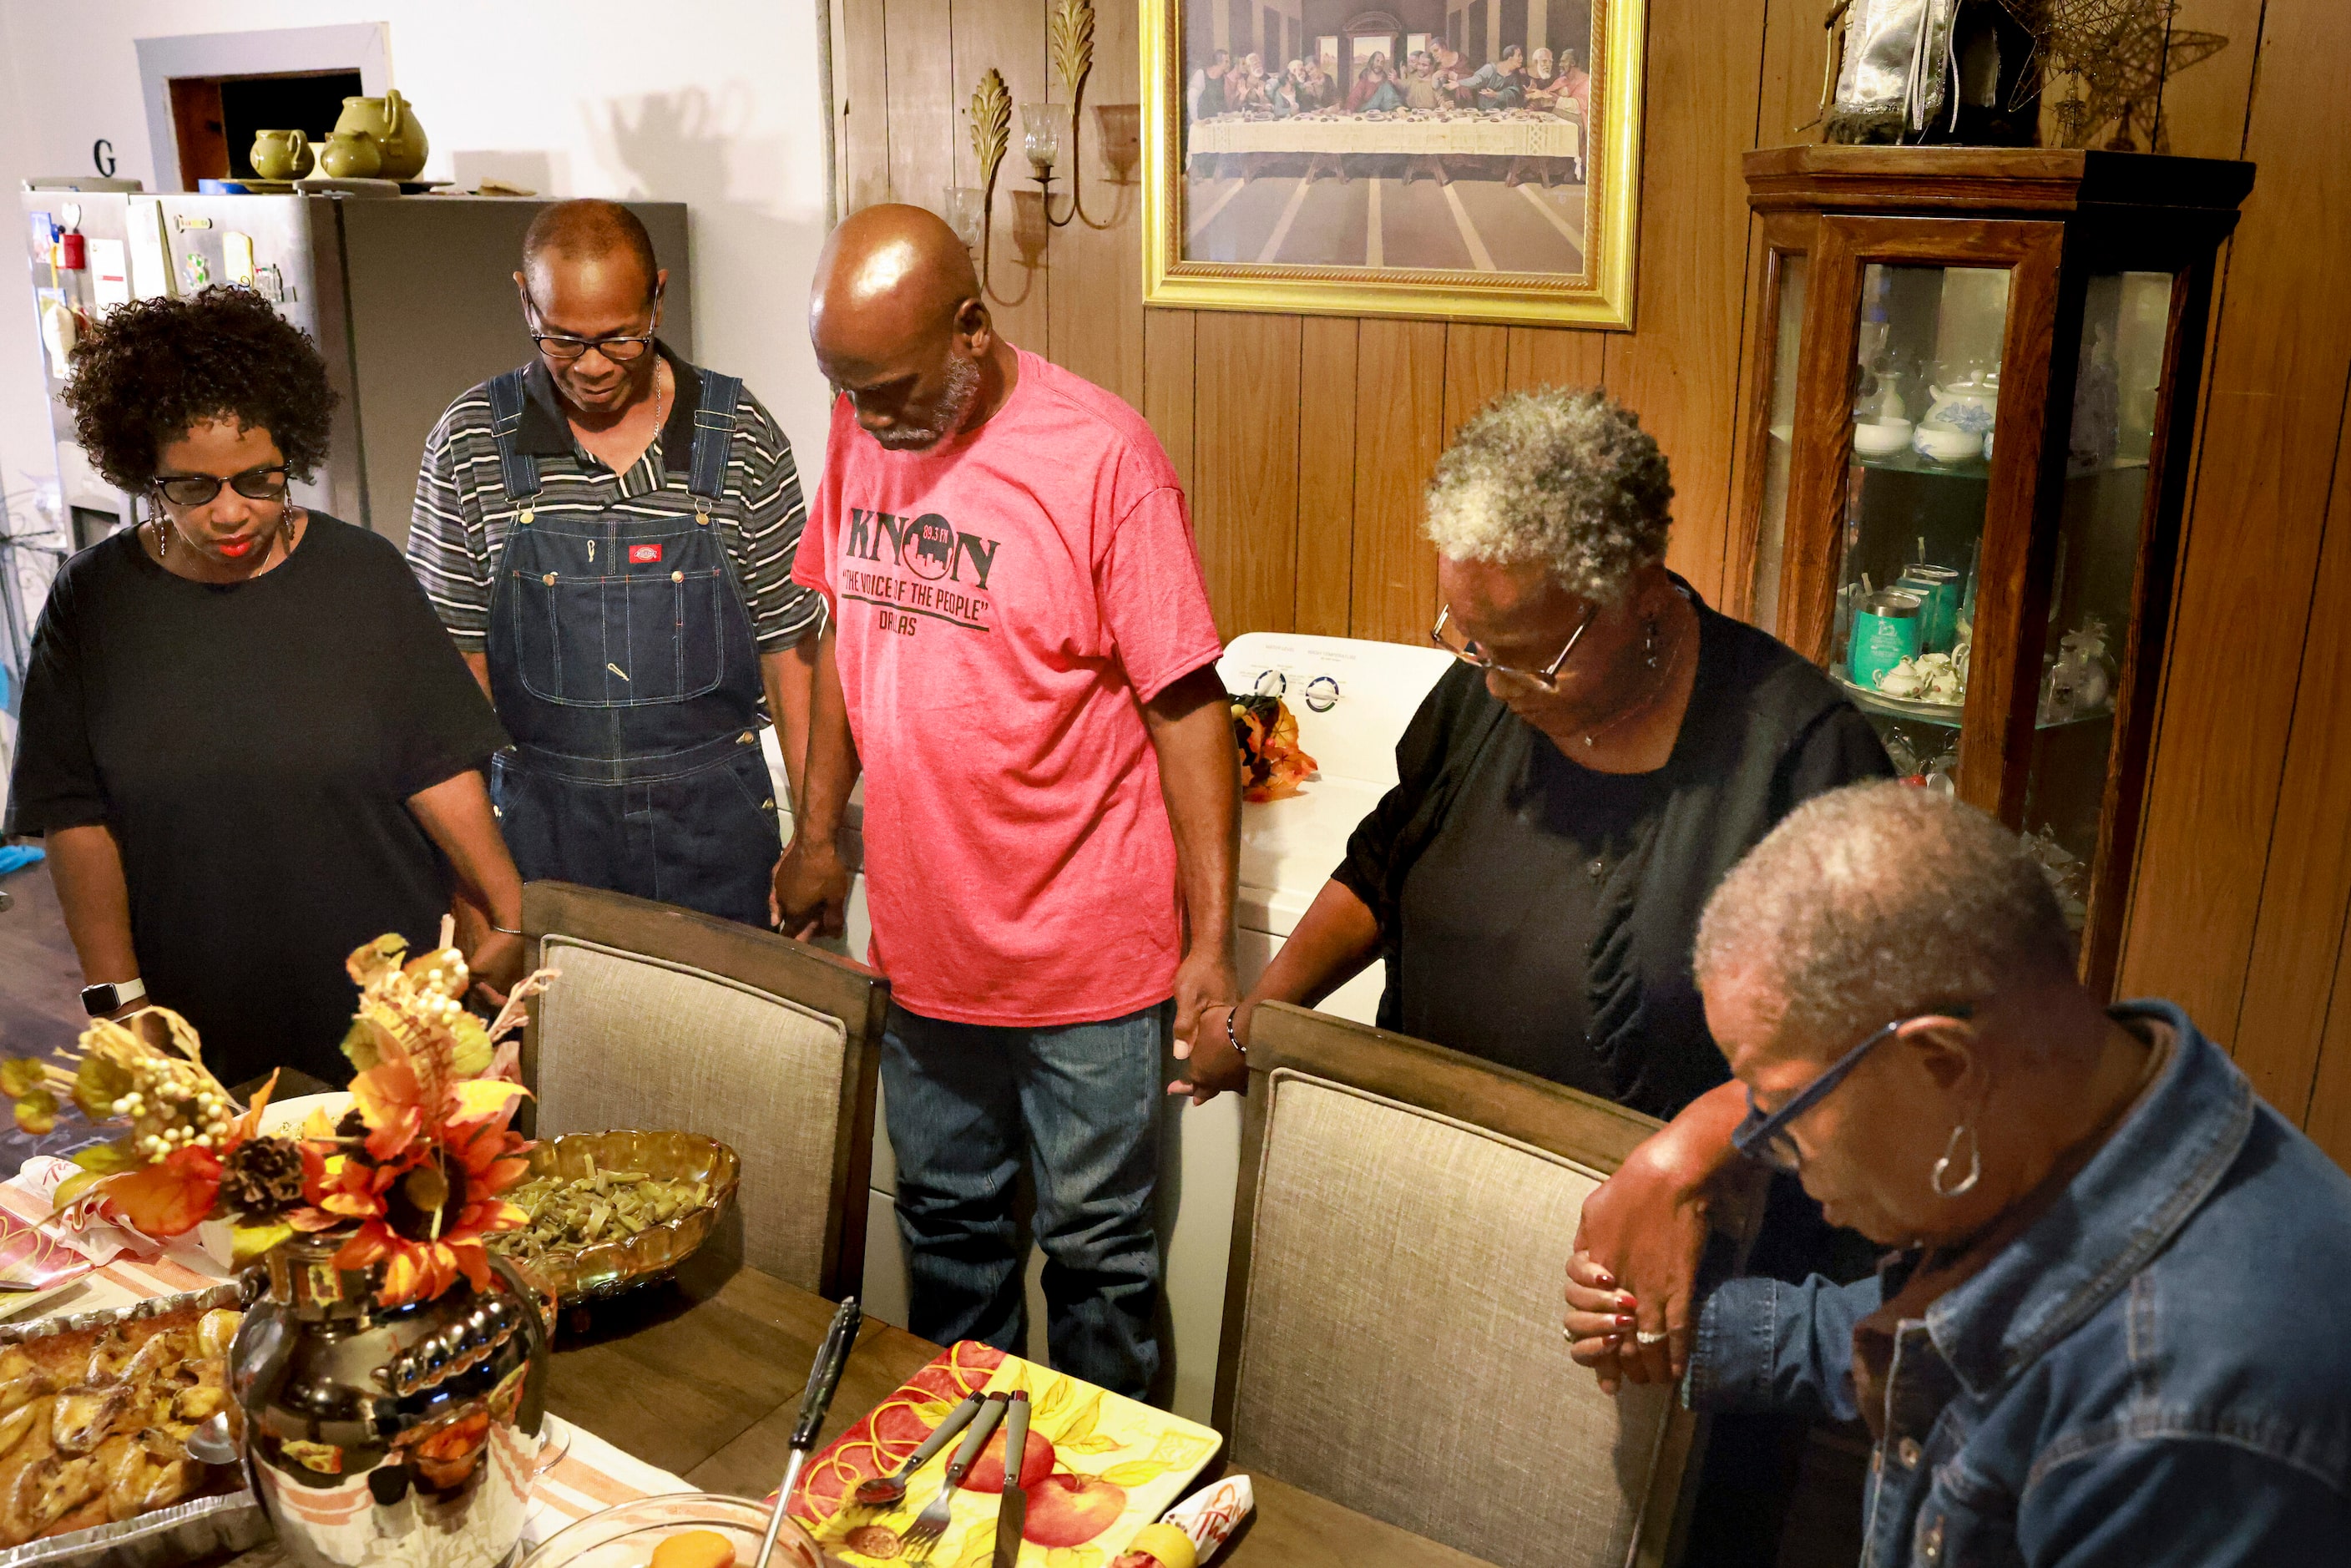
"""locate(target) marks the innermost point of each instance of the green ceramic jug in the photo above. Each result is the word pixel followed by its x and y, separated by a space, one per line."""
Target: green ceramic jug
pixel 350 155
pixel 281 154
pixel 391 124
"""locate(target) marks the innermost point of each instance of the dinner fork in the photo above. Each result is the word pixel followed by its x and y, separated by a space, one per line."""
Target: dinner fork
pixel 931 1522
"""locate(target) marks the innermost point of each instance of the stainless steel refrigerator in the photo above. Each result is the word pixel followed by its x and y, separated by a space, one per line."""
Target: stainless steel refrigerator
pixel 411 299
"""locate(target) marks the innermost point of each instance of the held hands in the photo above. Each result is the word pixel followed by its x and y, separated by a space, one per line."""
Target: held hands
pixel 496 963
pixel 1646 1227
pixel 1205 987
pixel 1215 1066
pixel 1601 1322
pixel 810 897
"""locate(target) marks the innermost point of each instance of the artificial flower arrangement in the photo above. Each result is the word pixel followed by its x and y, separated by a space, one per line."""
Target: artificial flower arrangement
pixel 413 1171
pixel 1274 765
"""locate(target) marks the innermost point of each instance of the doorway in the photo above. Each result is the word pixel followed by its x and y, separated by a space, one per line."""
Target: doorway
pixel 207 93
pixel 216 118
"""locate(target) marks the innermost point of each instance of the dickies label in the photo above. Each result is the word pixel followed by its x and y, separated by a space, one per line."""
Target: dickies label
pixel 644 555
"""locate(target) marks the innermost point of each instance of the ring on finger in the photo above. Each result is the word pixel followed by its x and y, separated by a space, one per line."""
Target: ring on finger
pixel 1645 1337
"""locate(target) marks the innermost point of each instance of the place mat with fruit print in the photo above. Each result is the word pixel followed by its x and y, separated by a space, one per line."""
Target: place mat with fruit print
pixel 1098 1468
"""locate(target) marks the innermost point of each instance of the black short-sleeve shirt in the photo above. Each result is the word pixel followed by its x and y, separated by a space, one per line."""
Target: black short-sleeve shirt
pixel 1541 915
pixel 252 747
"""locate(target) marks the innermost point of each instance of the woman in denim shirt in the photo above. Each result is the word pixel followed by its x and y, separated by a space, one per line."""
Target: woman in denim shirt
pixel 2109 1330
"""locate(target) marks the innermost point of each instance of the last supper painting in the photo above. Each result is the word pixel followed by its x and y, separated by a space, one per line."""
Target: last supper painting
pixel 1429 157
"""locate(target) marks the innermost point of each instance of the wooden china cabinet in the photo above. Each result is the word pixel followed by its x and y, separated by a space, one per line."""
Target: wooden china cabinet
pixel 1965 454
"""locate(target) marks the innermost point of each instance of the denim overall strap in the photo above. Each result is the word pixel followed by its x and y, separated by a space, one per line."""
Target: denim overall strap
pixel 624 664
pixel 713 433
pixel 518 469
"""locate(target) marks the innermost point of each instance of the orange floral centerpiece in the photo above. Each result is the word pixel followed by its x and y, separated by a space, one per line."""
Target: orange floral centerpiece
pixel 413 1171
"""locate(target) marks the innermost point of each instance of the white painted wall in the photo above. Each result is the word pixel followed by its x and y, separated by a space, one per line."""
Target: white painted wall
pixel 24 425
pixel 714 103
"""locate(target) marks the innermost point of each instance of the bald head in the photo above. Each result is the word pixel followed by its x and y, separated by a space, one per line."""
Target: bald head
pixel 887 276
pixel 899 323
pixel 592 235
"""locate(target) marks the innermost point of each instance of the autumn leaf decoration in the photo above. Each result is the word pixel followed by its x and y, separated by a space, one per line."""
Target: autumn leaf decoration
pixel 1273 765
pixel 418 1162
pixel 413 1171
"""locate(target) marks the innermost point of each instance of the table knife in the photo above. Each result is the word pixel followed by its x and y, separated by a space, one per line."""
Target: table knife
pixel 1012 1509
pixel 831 1361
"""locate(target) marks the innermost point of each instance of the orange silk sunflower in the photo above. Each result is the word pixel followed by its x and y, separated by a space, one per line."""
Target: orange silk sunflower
pixel 420 1161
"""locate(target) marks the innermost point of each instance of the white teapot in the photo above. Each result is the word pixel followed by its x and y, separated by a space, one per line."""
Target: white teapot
pixel 1971 404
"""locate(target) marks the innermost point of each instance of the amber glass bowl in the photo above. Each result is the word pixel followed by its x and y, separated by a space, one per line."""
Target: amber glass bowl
pixel 608 1268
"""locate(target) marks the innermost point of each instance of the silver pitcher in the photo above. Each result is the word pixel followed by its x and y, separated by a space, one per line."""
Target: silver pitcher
pixel 404 1435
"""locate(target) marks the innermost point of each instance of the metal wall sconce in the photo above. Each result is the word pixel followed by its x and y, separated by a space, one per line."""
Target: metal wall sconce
pixel 969 209
pixel 1071 34
pixel 969 206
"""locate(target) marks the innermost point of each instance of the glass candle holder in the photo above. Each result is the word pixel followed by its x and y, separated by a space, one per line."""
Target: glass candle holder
pixel 966 212
pixel 1041 125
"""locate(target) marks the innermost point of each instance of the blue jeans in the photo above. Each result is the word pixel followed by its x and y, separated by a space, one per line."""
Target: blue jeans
pixel 965 1102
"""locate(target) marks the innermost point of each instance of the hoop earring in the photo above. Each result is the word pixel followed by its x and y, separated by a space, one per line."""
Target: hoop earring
pixel 1966 1184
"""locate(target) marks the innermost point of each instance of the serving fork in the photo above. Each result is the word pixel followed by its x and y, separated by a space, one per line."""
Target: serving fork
pixel 931 1522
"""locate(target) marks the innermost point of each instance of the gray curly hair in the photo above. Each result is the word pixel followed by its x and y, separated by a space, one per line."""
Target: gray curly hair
pixel 1565 479
pixel 1878 902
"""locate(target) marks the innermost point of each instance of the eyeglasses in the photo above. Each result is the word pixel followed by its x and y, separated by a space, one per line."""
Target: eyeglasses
pixel 1767 1138
pixel 619 348
pixel 1469 653
pixel 198 489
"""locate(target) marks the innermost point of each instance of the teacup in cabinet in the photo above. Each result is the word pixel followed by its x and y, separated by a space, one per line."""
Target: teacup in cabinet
pixel 281 154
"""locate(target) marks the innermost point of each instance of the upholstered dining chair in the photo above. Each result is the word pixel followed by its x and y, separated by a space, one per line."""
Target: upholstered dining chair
pixel 1392 1335
pixel 664 1019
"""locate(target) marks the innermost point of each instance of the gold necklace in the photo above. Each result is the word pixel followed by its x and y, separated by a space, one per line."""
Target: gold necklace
pixel 1648 699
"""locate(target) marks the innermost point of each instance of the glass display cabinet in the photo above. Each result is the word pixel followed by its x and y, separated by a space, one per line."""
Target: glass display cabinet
pixel 1967 420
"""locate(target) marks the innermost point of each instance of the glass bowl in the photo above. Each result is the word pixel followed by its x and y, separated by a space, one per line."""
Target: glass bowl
pixel 608 1268
pixel 625 1536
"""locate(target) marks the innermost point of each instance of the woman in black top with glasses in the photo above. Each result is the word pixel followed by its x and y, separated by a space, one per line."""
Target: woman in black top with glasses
pixel 1569 795
pixel 246 740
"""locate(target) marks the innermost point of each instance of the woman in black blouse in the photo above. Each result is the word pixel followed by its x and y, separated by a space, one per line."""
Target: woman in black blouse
pixel 1569 795
pixel 246 739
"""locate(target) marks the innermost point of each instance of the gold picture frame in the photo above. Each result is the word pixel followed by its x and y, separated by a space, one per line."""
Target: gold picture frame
pixel 1251 155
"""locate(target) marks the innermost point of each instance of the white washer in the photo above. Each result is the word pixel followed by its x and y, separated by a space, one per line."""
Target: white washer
pixel 1353 700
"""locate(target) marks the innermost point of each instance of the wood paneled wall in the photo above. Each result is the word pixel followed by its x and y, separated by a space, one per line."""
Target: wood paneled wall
pixel 1305 441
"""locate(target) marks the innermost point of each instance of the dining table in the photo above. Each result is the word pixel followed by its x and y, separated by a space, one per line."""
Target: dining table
pixel 701 1375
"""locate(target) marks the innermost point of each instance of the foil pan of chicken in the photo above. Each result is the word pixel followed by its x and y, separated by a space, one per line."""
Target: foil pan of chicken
pixel 95 1410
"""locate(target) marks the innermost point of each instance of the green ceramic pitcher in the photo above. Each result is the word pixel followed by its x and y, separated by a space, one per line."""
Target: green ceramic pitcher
pixel 391 124
pixel 280 154
pixel 350 155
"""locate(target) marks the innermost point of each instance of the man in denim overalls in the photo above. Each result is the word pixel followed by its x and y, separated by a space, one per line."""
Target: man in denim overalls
pixel 608 534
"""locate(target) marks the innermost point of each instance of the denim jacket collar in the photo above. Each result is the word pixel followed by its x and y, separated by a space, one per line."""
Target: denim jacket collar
pixel 2118 1213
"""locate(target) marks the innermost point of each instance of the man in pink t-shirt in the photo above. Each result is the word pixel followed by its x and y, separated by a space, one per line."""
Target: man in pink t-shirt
pixel 1021 660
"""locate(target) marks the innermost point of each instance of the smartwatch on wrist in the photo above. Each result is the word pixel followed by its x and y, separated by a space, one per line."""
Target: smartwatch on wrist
pixel 99 1000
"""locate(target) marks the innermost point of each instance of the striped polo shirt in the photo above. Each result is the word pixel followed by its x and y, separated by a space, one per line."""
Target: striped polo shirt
pixel 462 516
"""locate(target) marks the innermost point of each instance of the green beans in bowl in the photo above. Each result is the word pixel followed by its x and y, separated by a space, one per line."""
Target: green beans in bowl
pixel 611 1211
